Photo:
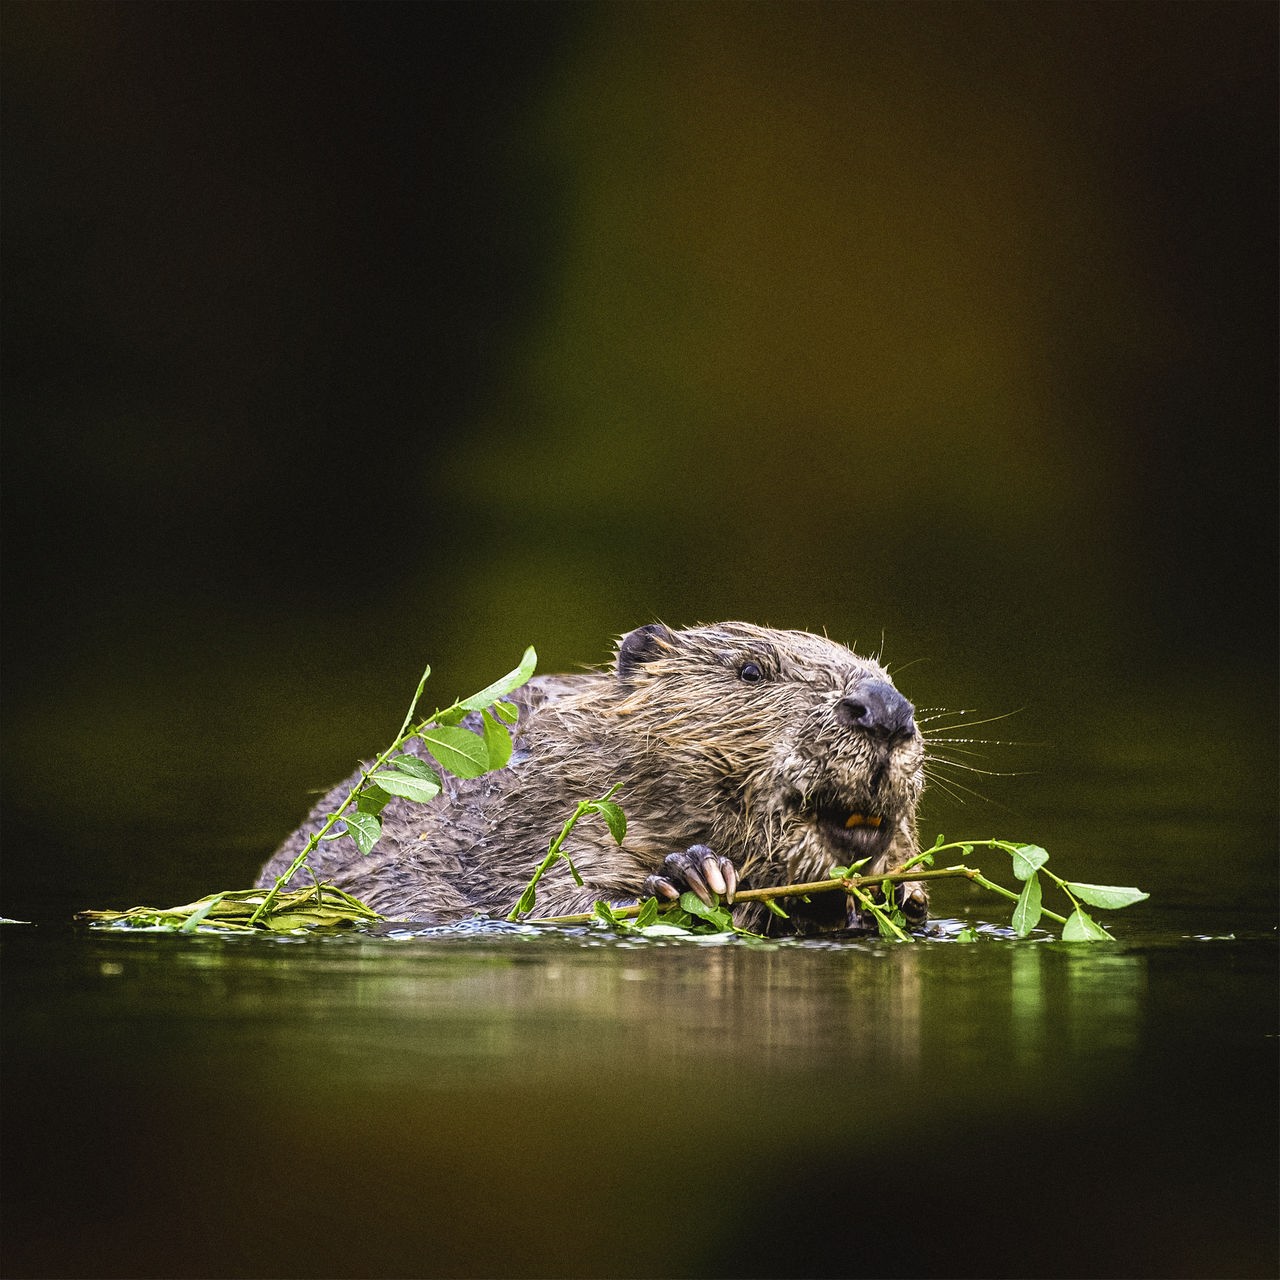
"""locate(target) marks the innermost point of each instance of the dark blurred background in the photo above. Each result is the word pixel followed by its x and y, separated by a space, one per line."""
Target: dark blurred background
pixel 342 338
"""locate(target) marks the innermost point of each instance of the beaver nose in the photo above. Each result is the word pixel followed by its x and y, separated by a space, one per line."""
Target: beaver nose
pixel 878 709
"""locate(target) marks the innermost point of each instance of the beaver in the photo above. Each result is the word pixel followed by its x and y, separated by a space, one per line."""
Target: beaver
pixel 746 756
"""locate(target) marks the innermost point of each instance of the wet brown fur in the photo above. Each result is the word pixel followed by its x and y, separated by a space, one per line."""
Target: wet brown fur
pixel 704 758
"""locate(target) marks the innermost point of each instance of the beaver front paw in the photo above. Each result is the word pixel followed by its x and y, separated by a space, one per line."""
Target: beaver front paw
pixel 913 898
pixel 698 870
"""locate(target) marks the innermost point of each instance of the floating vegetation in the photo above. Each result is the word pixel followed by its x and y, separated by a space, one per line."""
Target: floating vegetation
pixel 322 906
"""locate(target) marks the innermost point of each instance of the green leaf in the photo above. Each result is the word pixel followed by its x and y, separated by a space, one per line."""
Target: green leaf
pixel 413 765
pixel 371 799
pixel 1026 912
pixel 843 873
pixel 717 915
pixel 500 688
pixel 672 915
pixel 606 913
pixel 966 935
pixel 1108 896
pixel 694 905
pixel 422 790
pixel 194 919
pixel 310 916
pixel 507 711
pixel 648 914
pixel 885 924
pixel 772 904
pixel 1081 927
pixel 459 750
pixel 1027 860
pixel 526 903
pixel 613 815
pixel 497 740
pixel 364 829
pixel 285 922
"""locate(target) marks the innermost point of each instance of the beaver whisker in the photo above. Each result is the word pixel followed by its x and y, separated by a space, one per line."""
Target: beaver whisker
pixel 934 756
pixel 971 724
pixel 952 744
pixel 973 768
pixel 938 713
pixel 952 785
pixel 981 742
pixel 946 751
pixel 947 790
pixel 896 669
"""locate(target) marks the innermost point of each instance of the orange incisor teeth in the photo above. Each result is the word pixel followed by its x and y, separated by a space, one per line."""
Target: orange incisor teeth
pixel 863 820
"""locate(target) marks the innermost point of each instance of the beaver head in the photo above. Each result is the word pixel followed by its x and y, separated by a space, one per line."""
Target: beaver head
pixel 791 752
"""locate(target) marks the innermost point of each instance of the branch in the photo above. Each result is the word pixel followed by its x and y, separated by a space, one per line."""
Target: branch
pixel 814 886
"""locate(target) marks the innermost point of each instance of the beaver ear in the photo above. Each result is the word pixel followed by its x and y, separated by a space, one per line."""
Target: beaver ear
pixel 643 645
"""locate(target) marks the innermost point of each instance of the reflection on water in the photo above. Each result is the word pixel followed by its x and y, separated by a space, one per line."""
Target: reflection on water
pixel 1072 997
pixel 446 1007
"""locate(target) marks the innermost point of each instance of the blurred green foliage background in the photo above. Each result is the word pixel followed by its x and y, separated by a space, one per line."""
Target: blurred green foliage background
pixel 339 339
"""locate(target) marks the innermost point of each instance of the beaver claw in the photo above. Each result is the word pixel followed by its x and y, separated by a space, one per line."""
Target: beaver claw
pixel 698 870
pixel 911 897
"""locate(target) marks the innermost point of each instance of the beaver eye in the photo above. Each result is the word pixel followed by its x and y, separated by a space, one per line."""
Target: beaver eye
pixel 750 672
